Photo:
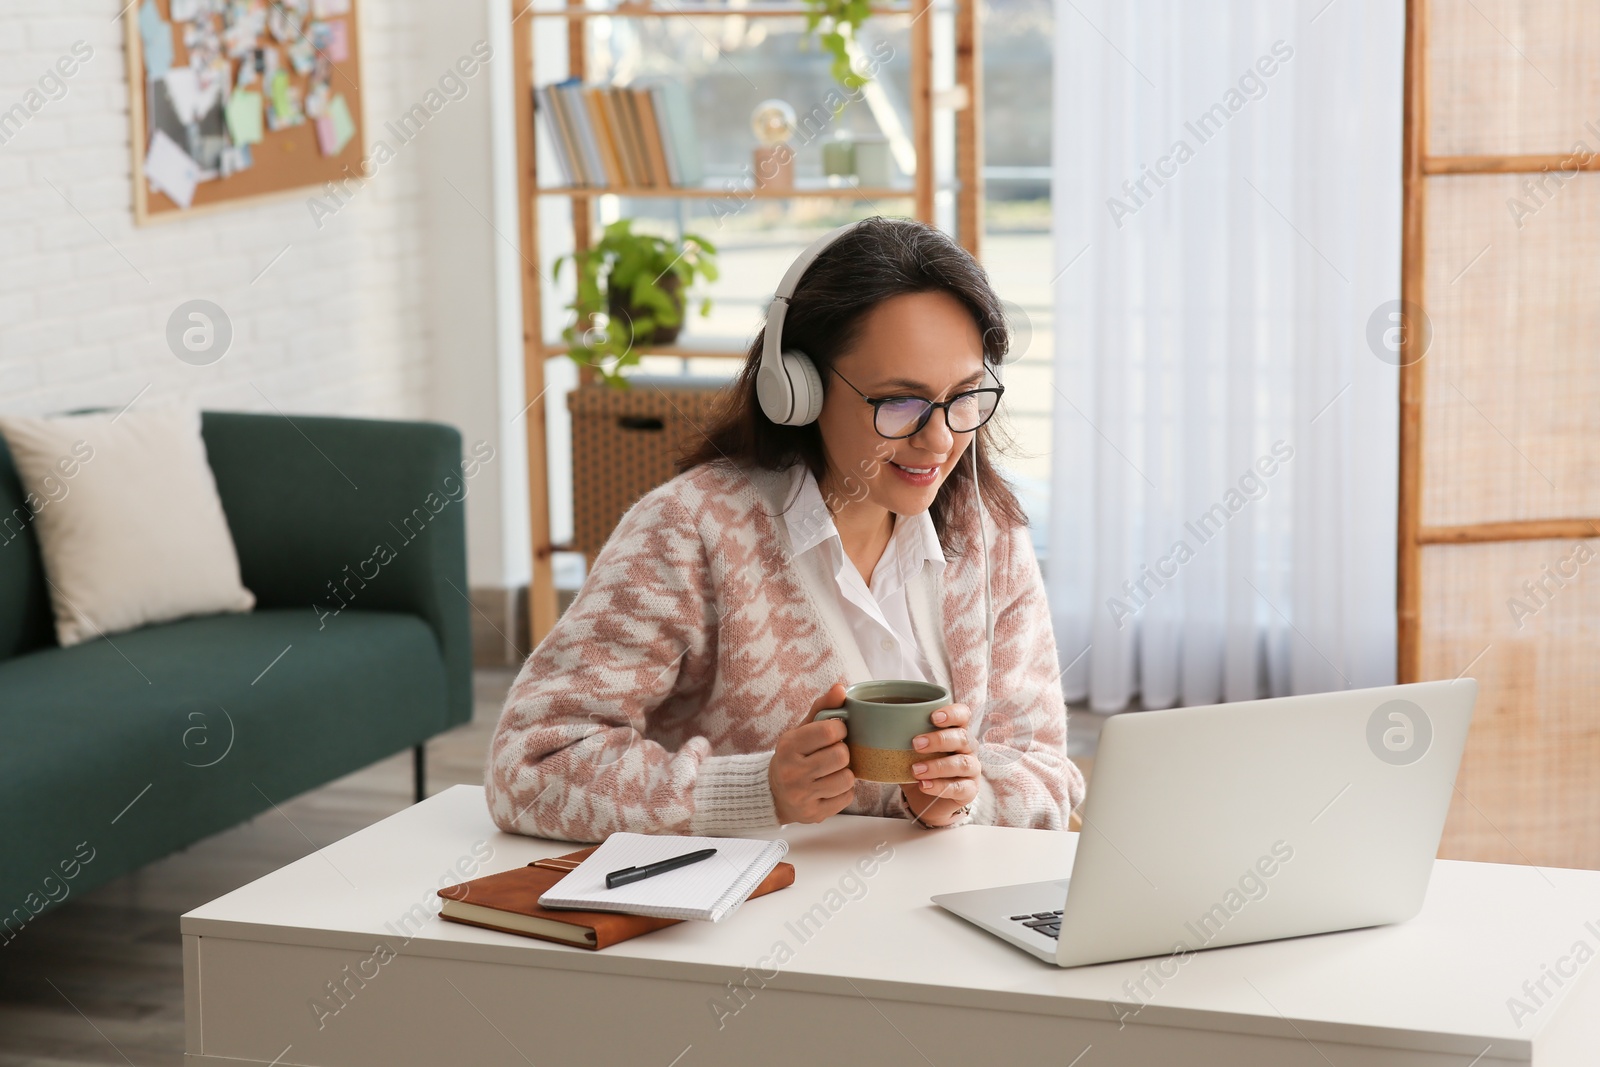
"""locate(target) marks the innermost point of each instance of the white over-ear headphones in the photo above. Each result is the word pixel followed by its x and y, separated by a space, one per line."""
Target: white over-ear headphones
pixel 789 388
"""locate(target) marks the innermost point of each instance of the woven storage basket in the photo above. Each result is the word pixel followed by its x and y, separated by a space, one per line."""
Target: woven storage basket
pixel 624 442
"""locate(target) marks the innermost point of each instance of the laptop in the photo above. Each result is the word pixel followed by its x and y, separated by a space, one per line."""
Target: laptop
pixel 1244 822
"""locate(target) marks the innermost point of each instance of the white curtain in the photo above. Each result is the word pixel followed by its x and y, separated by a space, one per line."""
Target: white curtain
pixel 1226 200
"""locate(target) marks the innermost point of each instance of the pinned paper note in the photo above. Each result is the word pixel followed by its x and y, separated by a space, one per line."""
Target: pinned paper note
pixel 335 42
pixel 339 111
pixel 184 10
pixel 150 20
pixel 234 159
pixel 285 103
pixel 183 89
pixel 280 93
pixel 317 99
pixel 239 38
pixel 302 56
pixel 252 67
pixel 325 8
pixel 208 140
pixel 284 23
pixel 156 37
pixel 169 169
pixel 244 117
pixel 335 130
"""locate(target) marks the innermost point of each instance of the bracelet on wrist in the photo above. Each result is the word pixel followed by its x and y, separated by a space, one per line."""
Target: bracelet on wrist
pixel 965 809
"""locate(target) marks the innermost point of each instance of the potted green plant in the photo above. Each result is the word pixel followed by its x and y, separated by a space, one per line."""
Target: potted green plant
pixel 639 281
pixel 844 19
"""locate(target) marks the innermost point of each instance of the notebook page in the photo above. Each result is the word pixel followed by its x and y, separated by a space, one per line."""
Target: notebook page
pixel 710 889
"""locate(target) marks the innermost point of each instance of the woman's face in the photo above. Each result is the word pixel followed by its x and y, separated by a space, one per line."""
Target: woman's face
pixel 915 344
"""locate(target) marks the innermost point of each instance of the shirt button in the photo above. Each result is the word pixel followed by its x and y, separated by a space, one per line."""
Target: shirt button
pixel 888 645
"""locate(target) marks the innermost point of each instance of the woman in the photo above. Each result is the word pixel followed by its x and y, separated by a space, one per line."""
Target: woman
pixel 678 691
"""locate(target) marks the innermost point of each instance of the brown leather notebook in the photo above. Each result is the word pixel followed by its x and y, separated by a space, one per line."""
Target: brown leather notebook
pixel 509 901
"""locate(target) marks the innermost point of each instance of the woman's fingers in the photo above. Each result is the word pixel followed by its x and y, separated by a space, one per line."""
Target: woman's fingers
pixel 955 739
pixel 830 786
pixel 948 770
pixel 809 776
pixel 960 790
pixel 952 715
pixel 960 765
pixel 951 735
pixel 826 760
pixel 815 737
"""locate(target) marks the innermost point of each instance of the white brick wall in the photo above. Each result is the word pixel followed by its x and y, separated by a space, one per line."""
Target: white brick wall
pixel 340 324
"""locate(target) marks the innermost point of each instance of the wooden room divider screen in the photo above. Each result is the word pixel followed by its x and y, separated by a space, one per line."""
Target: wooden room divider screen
pixel 1499 578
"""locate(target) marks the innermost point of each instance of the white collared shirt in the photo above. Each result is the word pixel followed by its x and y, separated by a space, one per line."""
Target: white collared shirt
pixel 878 613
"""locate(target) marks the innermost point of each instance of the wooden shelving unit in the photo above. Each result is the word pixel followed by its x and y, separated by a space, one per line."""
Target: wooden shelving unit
pixel 964 99
pixel 709 192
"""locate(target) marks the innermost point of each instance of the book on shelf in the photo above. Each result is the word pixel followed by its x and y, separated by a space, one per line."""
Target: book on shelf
pixel 679 125
pixel 636 136
pixel 649 134
pixel 598 115
pixel 586 149
pixel 560 134
pixel 622 128
pixel 656 146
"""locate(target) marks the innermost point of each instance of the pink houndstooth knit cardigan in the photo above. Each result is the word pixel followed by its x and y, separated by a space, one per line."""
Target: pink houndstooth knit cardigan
pixel 654 703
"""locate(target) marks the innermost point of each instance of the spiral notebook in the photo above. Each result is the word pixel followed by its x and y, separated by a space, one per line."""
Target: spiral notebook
pixel 711 889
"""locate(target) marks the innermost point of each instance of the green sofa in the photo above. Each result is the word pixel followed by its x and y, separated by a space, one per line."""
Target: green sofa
pixel 120 750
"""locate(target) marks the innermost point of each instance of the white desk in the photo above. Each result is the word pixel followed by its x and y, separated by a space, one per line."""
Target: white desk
pixel 885 978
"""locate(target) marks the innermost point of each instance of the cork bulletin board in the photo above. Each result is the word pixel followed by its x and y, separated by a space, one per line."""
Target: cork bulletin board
pixel 237 101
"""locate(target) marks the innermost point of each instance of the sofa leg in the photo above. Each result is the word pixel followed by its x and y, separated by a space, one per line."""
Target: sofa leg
pixel 419 766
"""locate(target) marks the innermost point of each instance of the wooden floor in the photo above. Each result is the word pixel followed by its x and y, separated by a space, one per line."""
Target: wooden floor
pixel 100 979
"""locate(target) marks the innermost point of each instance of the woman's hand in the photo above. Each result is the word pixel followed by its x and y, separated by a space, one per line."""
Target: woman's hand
pixel 810 771
pixel 948 778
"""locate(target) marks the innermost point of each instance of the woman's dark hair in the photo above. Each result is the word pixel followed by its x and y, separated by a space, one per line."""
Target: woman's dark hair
pixel 882 257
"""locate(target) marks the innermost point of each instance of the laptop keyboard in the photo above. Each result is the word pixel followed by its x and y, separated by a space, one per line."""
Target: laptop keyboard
pixel 1045 922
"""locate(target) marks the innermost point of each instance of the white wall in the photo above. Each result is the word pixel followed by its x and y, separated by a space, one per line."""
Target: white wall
pixel 468 180
pixel 388 309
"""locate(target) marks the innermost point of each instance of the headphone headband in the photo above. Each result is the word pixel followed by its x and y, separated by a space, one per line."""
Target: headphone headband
pixel 788 384
pixel 791 277
pixel 772 348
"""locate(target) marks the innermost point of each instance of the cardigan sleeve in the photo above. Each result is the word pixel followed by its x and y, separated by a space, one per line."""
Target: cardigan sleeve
pixel 570 759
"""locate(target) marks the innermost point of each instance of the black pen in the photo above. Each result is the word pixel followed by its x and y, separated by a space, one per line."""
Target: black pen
pixel 633 874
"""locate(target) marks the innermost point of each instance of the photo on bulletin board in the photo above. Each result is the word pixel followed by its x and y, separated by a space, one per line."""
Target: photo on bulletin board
pixel 232 101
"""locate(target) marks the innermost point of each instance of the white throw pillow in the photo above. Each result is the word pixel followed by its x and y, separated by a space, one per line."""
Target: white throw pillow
pixel 128 519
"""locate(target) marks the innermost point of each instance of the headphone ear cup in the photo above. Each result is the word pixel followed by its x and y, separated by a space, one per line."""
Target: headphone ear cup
pixel 806 382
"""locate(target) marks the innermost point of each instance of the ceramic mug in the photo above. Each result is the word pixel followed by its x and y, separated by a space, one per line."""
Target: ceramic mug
pixel 881 717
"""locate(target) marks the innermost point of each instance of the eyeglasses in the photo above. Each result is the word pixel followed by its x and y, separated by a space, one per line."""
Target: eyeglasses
pixel 903 416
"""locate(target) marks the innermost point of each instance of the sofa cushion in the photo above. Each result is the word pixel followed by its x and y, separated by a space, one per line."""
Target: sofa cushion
pixel 129 522
pixel 220 717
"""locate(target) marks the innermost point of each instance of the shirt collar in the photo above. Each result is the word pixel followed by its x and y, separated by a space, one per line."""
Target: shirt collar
pixel 915 540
